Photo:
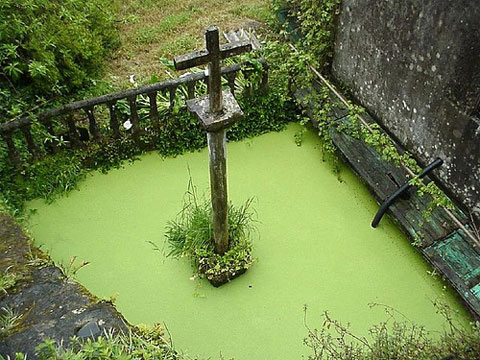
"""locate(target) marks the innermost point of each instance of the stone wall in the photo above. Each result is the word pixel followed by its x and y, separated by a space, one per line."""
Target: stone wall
pixel 415 65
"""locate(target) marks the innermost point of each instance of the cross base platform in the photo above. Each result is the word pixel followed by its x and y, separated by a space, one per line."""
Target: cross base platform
pixel 214 122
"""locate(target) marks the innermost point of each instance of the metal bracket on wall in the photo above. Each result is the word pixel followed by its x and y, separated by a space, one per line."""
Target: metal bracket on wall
pixel 391 199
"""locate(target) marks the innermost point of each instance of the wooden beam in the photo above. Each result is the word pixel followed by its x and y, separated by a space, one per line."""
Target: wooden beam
pixel 202 57
pixel 194 59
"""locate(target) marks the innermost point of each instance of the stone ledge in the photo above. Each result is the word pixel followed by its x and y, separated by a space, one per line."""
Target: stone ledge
pixel 50 305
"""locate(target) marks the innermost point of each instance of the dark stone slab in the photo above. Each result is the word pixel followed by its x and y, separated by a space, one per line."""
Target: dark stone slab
pixel 90 329
pixel 214 122
pixel 50 305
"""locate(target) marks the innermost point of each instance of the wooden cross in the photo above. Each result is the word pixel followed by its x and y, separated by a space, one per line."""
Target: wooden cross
pixel 216 112
pixel 212 56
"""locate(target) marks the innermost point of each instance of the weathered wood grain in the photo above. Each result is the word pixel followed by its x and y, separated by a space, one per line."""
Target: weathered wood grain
pixel 459 262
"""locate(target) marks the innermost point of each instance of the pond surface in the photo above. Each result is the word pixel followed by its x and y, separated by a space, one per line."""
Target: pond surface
pixel 315 246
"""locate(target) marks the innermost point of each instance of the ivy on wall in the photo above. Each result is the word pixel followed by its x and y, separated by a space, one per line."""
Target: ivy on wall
pixel 315 21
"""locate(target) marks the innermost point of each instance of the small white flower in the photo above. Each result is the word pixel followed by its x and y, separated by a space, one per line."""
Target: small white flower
pixel 127 124
pixel 132 79
pixel 78 311
pixel 193 277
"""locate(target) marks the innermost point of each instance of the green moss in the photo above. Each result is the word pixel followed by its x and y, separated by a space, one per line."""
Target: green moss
pixel 312 244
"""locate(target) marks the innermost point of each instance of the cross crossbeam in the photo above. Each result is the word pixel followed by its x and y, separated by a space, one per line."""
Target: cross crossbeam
pixel 212 56
pixel 202 57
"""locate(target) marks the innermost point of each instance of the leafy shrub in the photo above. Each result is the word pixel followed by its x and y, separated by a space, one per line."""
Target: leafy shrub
pixel 315 23
pixel 51 48
pixel 53 175
pixel 191 235
pixel 142 342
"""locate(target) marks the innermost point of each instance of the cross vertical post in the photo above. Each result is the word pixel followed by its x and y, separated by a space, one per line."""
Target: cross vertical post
pixel 214 70
pixel 217 151
pixel 216 112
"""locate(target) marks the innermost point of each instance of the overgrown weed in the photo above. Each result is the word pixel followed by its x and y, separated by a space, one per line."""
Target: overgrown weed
pixel 191 235
pixel 393 339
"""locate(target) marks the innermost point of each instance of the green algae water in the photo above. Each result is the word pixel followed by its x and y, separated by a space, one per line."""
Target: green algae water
pixel 314 247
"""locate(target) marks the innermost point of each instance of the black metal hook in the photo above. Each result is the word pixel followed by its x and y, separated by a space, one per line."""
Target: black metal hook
pixel 391 199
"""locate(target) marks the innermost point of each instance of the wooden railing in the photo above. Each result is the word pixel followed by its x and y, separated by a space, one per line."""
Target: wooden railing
pixel 65 113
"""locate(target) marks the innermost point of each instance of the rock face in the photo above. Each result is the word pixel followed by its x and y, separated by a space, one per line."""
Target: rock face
pixel 48 304
pixel 415 65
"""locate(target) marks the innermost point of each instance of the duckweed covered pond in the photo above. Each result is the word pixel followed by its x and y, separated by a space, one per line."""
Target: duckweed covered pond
pixel 314 246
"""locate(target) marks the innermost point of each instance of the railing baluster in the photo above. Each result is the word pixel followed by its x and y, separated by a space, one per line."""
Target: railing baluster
pixel 32 147
pixel 49 126
pixel 247 74
pixel 92 124
pixel 171 91
pixel 231 81
pixel 191 90
pixel 205 80
pixel 134 116
pixel 72 131
pixel 153 113
pixel 13 153
pixel 264 83
pixel 114 125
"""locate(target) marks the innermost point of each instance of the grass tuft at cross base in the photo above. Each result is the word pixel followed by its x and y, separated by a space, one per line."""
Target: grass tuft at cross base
pixel 191 235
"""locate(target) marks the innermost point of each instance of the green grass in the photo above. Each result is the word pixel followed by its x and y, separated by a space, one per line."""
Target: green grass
pixel 183 44
pixel 9 319
pixel 151 29
pixel 151 34
pixel 7 281
pixel 191 235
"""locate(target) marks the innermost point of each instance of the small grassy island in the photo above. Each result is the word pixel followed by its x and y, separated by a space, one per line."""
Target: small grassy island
pixel 191 235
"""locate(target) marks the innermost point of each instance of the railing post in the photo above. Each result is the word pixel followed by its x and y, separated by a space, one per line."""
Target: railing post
pixel 171 92
pixel 247 74
pixel 13 153
pixel 49 126
pixel 264 83
pixel 191 90
pixel 32 147
pixel 231 81
pixel 72 131
pixel 153 113
pixel 134 117
pixel 114 125
pixel 92 123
